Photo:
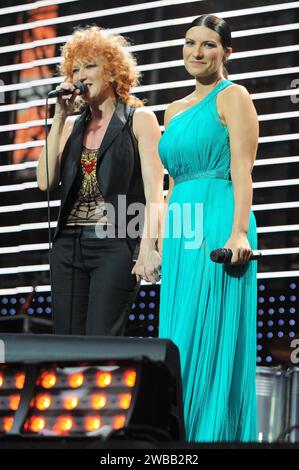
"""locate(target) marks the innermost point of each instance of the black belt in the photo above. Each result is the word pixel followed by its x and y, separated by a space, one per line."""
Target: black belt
pixel 82 231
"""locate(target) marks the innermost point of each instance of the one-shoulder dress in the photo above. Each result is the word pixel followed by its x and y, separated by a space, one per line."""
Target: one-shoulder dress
pixel 207 309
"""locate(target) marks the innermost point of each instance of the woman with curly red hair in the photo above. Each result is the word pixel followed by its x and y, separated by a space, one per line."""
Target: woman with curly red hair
pixel 107 164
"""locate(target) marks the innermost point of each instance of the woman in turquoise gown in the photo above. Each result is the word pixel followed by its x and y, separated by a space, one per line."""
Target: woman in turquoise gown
pixel 207 309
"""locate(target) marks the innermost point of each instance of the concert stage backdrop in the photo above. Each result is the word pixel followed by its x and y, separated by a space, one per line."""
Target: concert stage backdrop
pixel 265 46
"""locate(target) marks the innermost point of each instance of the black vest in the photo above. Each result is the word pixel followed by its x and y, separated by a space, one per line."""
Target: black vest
pixel 118 167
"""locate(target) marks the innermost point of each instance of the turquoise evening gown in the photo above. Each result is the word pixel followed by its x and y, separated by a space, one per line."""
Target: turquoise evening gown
pixel 208 310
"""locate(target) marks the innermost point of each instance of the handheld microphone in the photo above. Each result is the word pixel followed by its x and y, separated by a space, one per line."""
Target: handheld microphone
pixel 224 255
pixel 61 92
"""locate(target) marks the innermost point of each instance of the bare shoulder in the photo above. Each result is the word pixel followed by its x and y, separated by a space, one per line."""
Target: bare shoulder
pixel 233 93
pixel 144 118
pixel 144 114
pixel 234 100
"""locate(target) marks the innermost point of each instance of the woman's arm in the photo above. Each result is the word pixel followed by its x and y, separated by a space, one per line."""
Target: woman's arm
pixel 60 131
pixel 58 135
pixel 171 110
pixel 242 121
pixel 147 132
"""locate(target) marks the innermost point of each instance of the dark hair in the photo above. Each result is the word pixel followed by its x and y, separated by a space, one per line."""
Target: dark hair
pixel 218 25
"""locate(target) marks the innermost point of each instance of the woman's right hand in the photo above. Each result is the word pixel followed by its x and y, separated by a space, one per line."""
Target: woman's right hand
pixel 65 104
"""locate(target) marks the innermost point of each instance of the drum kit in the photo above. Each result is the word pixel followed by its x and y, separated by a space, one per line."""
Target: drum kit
pixel 278 394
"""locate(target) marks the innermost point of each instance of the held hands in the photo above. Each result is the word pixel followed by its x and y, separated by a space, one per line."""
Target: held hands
pixel 240 247
pixel 65 104
pixel 148 267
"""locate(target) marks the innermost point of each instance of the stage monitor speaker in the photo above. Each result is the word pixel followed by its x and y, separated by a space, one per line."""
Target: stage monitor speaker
pixel 83 386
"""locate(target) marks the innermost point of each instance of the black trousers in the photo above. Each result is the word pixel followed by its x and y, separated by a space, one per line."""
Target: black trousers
pixel 92 285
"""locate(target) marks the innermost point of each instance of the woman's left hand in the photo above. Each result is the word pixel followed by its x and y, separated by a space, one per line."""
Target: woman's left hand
pixel 240 247
pixel 148 267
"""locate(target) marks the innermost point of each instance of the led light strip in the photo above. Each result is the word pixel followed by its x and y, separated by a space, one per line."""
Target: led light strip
pixel 24 269
pixel 41 205
pixel 145 6
pixel 45 246
pixel 232 77
pixel 276 183
pixel 34 44
pixel 25 290
pixel 278 228
pixel 191 83
pixel 33 6
pixel 18 166
pixel 159 86
pixel 151 45
pixel 259 162
pixel 28 289
pixel 47 288
pixel 277 274
pixel 275 205
pixel 44 225
pixel 154 108
pixel 22 146
pixel 18 187
pixel 97 14
pixel 276 116
pixel 278 138
pixel 31 84
pixel 24 227
pixel 158 65
pixel 24 248
pixel 41 143
pixel 276 161
pixel 26 206
pixel 30 65
pixel 280 251
pixel 259 185
pixel 27 105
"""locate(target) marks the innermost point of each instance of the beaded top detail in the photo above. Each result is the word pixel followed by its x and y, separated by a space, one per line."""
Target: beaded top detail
pixel 89 205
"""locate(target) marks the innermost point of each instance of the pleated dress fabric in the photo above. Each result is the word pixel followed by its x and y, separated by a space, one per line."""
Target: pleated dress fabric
pixel 207 309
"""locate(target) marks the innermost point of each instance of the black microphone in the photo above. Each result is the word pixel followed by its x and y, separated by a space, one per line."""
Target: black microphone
pixel 61 92
pixel 224 255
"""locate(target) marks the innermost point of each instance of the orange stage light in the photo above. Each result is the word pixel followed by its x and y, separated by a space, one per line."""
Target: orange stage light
pixel 103 379
pixel 20 380
pixel 119 422
pixel 70 403
pixel 7 423
pixel 92 423
pixel 129 378
pixel 48 379
pixel 124 401
pixel 98 401
pixel 36 423
pixel 14 401
pixel 76 380
pixel 63 425
pixel 43 402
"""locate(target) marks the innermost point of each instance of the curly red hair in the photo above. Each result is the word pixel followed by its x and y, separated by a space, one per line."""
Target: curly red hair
pixel 118 63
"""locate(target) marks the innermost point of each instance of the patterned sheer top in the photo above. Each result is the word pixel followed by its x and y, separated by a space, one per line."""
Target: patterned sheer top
pixel 89 204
